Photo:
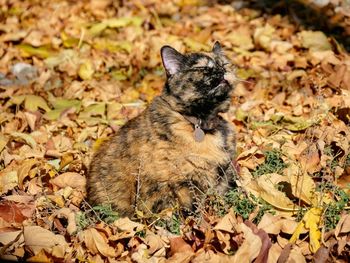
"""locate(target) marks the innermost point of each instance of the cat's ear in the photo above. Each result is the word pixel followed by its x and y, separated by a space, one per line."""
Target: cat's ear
pixel 217 48
pixel 172 60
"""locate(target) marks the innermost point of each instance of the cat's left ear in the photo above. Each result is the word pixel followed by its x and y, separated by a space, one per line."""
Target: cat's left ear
pixel 217 48
pixel 172 60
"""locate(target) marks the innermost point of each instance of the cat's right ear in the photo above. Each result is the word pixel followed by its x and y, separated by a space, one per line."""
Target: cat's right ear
pixel 172 60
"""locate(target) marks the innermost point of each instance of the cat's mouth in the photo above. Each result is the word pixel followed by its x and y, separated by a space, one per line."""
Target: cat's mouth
pixel 221 88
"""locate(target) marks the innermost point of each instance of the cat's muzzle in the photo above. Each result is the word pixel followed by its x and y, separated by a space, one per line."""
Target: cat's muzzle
pixel 222 88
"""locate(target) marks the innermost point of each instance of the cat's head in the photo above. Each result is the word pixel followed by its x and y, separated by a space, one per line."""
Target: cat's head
pixel 199 84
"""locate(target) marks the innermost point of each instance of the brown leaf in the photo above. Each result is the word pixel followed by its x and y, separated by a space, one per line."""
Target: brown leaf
pixel 127 227
pixel 251 246
pixel 37 238
pixel 343 226
pixel 178 245
pixel 24 169
pixel 71 179
pixel 70 216
pixel 227 223
pixel 276 224
pixel 8 178
pixel 16 213
pixel 266 242
pixel 97 242
pixel 155 243
pixel 321 255
pixel 285 254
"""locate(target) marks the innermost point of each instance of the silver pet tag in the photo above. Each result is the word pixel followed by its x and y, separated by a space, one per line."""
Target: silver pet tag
pixel 198 133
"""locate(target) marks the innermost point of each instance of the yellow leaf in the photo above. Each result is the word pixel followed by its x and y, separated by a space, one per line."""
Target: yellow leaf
pixel 17 100
pixel 57 199
pixel 98 28
pixel 60 105
pixel 300 228
pixel 303 187
pixel 40 257
pixel 66 159
pixel 97 109
pixel 112 45
pixel 264 35
pixel 315 40
pixel 25 137
pixel 113 110
pixel 42 52
pixel 33 102
pixel 297 123
pixel 69 41
pixel 195 45
pixel 242 39
pixel 98 143
pixel 183 3
pixel 86 70
pixel 65 56
pixel 310 221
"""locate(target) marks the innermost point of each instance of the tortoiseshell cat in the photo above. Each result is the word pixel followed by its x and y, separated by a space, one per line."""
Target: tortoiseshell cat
pixel 178 147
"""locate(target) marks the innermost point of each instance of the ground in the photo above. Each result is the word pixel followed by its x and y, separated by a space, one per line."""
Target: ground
pixel 73 72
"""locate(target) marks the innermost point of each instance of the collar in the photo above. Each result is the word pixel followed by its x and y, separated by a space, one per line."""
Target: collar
pixel 200 126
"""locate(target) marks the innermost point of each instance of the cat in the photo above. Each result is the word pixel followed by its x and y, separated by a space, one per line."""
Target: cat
pixel 178 148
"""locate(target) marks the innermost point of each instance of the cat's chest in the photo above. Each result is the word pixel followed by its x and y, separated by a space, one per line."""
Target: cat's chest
pixel 211 147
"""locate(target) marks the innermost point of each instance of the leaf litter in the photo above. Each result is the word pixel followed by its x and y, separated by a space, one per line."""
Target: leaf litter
pixel 71 73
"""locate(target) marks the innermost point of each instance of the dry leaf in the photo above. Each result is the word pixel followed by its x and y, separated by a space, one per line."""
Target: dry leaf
pixel 96 242
pixel 251 246
pixel 37 238
pixel 311 222
pixel 343 225
pixel 70 179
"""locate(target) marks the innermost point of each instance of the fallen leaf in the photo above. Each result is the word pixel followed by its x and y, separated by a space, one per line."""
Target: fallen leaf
pixel 24 169
pixel 71 179
pixel 33 103
pixel 70 216
pixel 311 222
pixel 228 223
pixel 98 28
pixel 315 40
pixel 266 187
pixel 266 242
pixel 42 52
pixel 10 240
pixel 25 137
pixel 96 242
pixel 251 246
pixel 154 243
pixel 343 225
pixel 16 213
pixel 37 238
pixel 3 142
pixel 275 224
pixel 86 70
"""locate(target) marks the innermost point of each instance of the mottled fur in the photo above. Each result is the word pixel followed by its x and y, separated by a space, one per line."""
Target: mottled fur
pixel 153 161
